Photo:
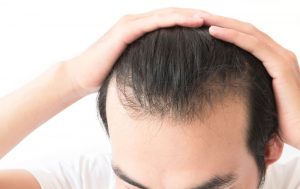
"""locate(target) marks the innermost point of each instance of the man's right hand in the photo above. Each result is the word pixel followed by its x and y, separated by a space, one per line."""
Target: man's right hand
pixel 32 105
pixel 90 68
pixel 29 107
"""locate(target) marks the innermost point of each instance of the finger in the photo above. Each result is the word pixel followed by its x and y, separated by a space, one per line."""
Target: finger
pixel 235 24
pixel 269 57
pixel 137 28
pixel 185 11
pixel 131 27
pixel 241 26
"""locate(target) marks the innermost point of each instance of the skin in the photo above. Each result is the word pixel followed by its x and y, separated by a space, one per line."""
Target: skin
pixel 70 80
pixel 167 154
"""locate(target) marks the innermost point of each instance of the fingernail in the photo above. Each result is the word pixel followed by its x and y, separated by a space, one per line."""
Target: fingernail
pixel 213 29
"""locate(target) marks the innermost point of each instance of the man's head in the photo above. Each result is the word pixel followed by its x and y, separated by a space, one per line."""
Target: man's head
pixel 184 109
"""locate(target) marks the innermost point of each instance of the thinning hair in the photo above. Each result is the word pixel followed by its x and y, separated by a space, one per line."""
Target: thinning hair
pixel 182 72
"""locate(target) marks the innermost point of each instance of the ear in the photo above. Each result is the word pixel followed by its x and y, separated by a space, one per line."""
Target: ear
pixel 273 150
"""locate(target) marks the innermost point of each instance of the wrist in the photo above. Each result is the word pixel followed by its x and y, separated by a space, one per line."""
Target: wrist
pixel 62 71
pixel 66 70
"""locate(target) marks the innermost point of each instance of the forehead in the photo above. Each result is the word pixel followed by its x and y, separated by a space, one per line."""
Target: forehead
pixel 166 146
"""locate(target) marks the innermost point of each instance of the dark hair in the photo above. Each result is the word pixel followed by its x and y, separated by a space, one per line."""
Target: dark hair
pixel 183 71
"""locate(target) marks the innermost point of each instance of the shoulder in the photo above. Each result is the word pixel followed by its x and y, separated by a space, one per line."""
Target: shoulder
pixel 82 172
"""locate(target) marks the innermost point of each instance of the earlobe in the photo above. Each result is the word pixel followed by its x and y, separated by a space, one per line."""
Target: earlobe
pixel 273 150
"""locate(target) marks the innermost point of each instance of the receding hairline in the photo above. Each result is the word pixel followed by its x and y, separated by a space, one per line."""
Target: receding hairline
pixel 202 113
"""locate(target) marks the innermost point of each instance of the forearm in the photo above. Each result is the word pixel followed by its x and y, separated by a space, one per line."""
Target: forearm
pixel 27 108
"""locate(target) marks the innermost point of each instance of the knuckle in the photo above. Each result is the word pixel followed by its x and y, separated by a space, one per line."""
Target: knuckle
pixel 119 25
pixel 258 43
pixel 251 27
pixel 122 22
pixel 126 17
pixel 293 60
pixel 286 70
pixel 158 15
pixel 177 15
pixel 171 9
pixel 120 28
pixel 292 56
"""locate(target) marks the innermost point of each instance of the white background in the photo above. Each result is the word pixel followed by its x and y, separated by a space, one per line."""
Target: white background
pixel 35 34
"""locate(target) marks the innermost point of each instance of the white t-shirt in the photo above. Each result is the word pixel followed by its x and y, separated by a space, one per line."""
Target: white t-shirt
pixel 95 172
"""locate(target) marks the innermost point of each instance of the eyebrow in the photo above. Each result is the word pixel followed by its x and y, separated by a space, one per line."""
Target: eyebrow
pixel 218 181
pixel 126 178
pixel 214 182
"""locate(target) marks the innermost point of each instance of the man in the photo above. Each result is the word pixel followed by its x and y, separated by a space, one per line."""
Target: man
pixel 171 126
